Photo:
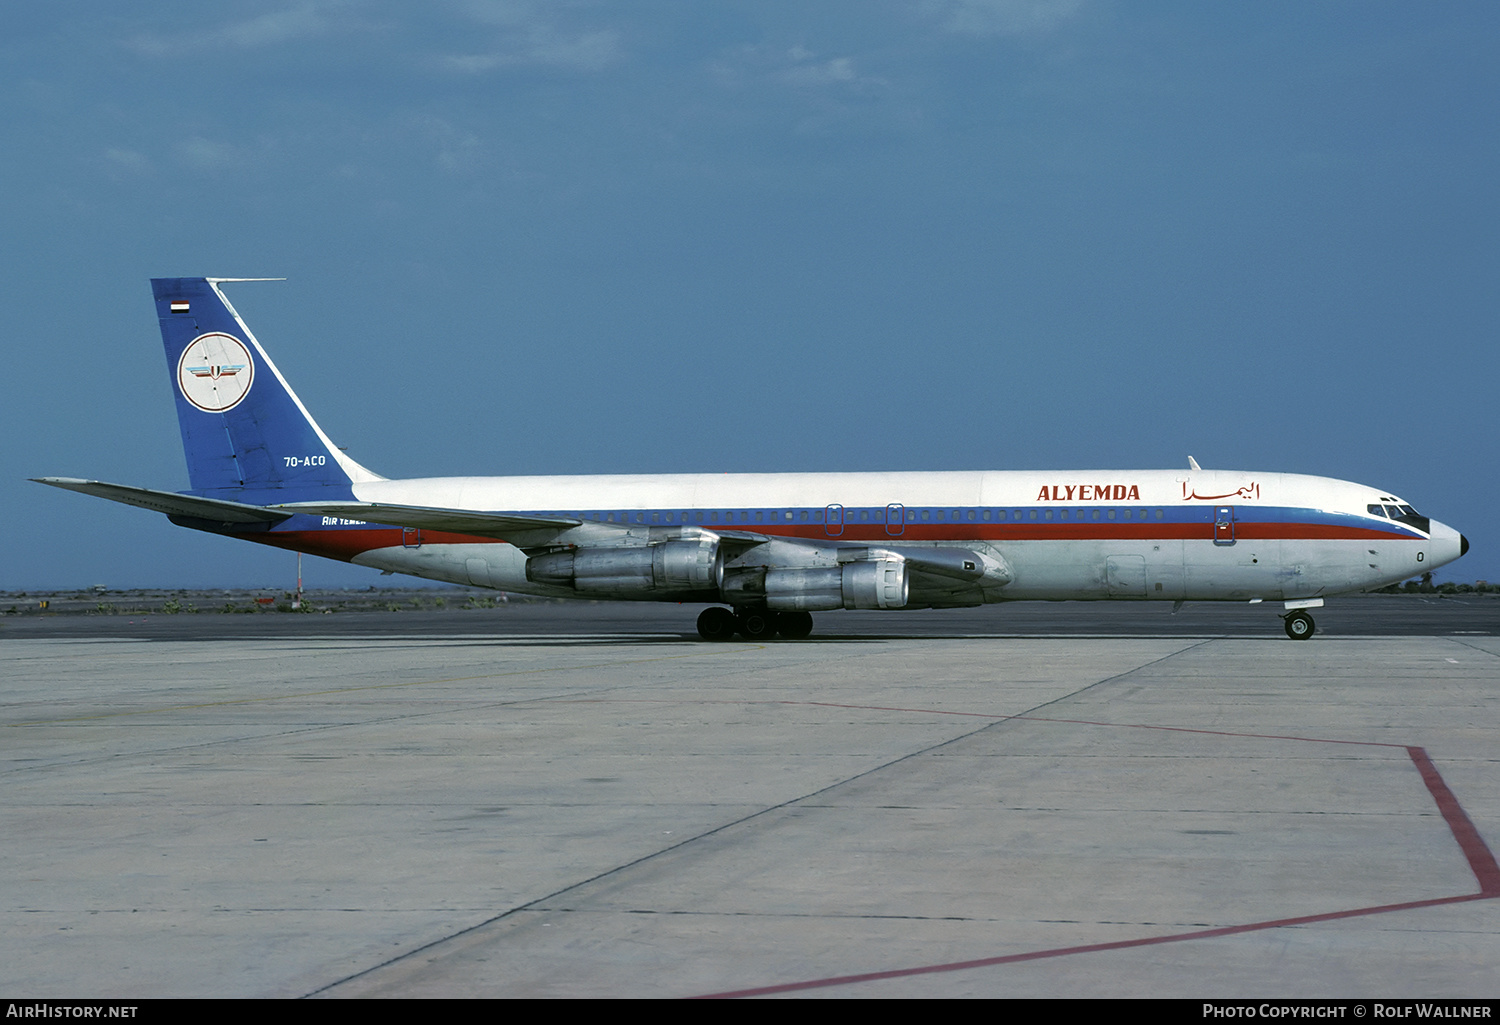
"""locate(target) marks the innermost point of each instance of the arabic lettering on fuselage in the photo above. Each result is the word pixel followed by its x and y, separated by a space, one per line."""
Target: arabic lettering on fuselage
pixel 1251 490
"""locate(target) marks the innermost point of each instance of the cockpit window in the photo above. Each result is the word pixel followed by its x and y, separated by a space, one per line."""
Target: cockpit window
pixel 1402 513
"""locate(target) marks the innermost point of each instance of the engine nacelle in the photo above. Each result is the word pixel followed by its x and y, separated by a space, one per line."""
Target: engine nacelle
pixel 876 583
pixel 879 583
pixel 672 566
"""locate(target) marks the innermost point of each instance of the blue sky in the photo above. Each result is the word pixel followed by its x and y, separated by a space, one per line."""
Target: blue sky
pixel 580 237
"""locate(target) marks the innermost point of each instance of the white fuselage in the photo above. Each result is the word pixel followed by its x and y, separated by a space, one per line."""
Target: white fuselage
pixel 1152 534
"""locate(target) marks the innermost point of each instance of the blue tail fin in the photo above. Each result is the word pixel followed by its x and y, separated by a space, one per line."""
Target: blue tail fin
pixel 243 428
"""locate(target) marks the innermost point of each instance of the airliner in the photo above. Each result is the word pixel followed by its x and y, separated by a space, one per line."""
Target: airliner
pixel 763 550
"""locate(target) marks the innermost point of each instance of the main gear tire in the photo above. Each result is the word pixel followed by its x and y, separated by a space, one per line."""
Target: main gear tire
pixel 794 625
pixel 756 624
pixel 716 624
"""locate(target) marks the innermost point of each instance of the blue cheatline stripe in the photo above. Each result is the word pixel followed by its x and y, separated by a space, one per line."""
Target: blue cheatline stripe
pixel 924 522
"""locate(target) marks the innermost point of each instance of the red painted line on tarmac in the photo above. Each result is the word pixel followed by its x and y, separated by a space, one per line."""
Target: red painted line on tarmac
pixel 1481 861
pixel 1481 858
pixel 1091 948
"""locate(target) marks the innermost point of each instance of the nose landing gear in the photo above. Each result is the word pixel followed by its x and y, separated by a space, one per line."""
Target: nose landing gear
pixel 1299 625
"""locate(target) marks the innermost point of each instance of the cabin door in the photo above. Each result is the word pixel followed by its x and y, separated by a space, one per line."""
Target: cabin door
pixel 895 519
pixel 1224 525
pixel 833 520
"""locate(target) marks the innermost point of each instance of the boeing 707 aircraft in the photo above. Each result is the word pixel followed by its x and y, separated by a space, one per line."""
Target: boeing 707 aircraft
pixel 763 550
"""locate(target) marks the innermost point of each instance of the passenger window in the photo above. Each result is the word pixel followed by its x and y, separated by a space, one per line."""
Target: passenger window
pixel 986 516
pixel 1111 514
pixel 1033 514
pixel 926 515
pixel 1160 514
pixel 1047 515
pixel 1127 514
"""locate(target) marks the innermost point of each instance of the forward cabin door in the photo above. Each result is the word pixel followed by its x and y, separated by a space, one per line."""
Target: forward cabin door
pixel 1224 525
pixel 895 519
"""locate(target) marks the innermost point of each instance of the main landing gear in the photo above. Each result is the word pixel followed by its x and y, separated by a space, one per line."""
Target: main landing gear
pixel 720 624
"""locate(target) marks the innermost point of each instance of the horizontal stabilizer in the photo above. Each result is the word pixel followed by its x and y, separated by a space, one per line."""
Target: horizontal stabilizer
pixel 457 521
pixel 169 502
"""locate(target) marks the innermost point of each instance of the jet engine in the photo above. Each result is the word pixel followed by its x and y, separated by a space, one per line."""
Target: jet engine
pixel 876 583
pixel 671 566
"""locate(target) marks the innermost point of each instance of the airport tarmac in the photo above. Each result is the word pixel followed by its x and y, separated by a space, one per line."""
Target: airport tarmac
pixel 205 808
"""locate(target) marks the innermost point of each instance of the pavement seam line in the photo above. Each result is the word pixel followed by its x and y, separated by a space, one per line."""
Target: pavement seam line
pixel 416 951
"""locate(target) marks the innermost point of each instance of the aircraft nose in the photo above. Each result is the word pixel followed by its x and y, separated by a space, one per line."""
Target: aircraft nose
pixel 1447 544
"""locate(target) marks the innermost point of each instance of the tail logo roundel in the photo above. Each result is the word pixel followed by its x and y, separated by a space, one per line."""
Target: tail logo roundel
pixel 215 372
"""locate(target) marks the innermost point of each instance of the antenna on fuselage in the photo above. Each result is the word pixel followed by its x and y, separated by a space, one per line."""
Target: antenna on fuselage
pixel 1193 464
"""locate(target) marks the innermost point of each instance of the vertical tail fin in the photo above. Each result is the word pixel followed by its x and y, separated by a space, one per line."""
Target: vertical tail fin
pixel 243 428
